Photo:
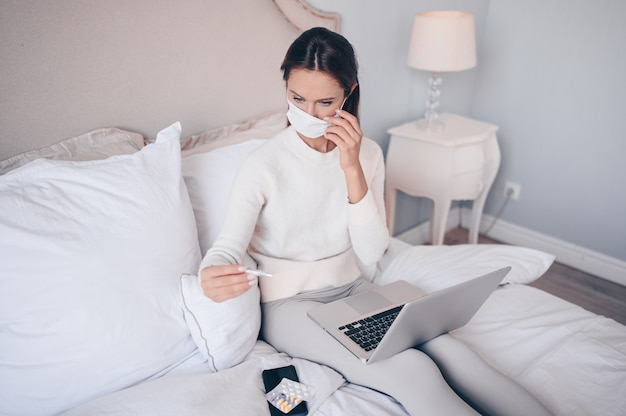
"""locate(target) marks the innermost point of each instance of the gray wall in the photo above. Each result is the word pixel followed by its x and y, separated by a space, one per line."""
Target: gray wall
pixel 551 74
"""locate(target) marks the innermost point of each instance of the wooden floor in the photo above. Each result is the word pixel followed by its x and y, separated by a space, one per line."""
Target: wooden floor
pixel 592 293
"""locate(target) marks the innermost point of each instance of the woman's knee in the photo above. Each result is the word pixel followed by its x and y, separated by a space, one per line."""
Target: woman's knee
pixel 410 368
pixel 416 382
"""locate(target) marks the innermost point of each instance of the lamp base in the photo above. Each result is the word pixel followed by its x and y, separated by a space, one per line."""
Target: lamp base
pixel 431 121
pixel 434 126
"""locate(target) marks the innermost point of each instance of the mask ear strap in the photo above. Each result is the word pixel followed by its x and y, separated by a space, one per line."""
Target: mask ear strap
pixel 348 96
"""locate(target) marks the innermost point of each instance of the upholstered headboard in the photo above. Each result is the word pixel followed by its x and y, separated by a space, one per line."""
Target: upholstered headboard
pixel 73 66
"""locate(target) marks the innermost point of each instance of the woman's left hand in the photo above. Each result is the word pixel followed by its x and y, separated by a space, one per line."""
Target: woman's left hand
pixel 346 133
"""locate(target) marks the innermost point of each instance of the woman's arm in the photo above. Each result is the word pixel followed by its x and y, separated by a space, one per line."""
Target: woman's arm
pixel 222 275
pixel 367 222
pixel 346 133
pixel 366 219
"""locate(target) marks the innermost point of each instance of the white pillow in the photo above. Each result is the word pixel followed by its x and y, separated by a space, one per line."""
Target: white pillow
pixel 433 268
pixel 209 178
pixel 224 332
pixel 92 254
pixel 96 144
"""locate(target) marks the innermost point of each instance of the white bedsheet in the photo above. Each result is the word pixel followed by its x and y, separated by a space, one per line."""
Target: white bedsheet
pixel 238 391
pixel 573 360
pixel 229 392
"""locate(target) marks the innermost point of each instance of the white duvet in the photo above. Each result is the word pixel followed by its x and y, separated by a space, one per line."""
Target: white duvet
pixel 571 359
pixel 574 361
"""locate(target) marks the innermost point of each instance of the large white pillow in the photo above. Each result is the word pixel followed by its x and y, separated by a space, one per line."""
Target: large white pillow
pixel 92 254
pixel 433 268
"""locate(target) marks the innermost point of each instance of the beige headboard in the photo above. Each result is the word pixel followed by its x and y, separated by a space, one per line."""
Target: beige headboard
pixel 72 66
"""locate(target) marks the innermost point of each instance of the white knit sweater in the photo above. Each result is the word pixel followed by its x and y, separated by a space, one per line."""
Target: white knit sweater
pixel 290 212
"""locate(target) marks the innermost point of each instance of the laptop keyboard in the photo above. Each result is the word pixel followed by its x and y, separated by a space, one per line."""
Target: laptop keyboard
pixel 368 332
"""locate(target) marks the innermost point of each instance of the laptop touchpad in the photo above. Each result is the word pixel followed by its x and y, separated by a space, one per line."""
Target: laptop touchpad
pixel 367 302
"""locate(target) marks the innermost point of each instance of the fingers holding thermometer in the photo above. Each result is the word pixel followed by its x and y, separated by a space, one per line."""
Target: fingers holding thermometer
pixel 258 273
pixel 221 283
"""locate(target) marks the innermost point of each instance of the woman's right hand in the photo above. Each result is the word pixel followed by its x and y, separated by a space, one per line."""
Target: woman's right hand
pixel 221 283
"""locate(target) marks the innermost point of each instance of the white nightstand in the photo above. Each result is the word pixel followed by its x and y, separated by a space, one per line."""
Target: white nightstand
pixel 458 163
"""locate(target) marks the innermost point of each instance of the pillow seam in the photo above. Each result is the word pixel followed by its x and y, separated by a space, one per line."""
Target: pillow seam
pixel 206 341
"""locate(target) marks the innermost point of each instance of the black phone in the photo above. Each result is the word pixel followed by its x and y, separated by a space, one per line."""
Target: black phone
pixel 271 379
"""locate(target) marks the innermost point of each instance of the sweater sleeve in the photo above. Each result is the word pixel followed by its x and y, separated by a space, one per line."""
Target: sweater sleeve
pixel 367 219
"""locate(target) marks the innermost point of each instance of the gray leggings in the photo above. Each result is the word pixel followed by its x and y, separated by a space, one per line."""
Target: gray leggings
pixel 412 377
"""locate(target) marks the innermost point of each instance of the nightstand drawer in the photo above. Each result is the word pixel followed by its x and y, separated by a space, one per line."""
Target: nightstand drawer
pixel 467 185
pixel 468 158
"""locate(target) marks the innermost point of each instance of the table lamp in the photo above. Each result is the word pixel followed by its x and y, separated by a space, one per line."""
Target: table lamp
pixel 441 41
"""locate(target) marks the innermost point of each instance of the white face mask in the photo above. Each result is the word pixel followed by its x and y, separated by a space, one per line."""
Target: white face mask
pixel 304 123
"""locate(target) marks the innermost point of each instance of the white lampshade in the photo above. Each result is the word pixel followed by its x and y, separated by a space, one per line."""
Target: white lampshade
pixel 443 41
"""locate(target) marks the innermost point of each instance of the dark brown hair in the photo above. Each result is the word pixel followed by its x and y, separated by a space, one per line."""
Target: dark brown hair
pixel 319 49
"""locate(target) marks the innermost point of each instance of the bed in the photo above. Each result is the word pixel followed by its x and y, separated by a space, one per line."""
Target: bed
pixel 107 207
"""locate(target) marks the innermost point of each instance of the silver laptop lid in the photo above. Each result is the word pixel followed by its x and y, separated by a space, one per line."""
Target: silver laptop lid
pixel 437 313
pixel 423 317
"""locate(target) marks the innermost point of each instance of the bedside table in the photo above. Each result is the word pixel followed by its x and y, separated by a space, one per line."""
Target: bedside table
pixel 457 163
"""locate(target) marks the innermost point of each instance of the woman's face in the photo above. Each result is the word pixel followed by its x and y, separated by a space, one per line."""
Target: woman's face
pixel 314 92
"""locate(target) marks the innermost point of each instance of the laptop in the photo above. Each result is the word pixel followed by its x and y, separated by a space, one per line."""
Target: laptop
pixel 391 318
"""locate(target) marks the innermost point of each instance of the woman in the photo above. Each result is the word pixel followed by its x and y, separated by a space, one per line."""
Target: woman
pixel 308 207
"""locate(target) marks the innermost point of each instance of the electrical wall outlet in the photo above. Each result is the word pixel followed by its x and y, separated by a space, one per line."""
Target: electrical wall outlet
pixel 512 190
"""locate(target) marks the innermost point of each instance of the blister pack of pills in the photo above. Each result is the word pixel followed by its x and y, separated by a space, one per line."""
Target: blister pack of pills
pixel 288 394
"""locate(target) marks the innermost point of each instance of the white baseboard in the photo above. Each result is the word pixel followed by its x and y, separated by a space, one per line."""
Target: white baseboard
pixel 580 258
